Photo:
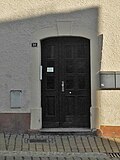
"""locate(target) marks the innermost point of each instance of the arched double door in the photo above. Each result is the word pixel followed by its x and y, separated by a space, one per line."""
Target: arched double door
pixel 66 98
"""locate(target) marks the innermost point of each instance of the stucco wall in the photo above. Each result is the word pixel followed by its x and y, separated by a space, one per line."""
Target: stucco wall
pixel 21 22
pixel 109 107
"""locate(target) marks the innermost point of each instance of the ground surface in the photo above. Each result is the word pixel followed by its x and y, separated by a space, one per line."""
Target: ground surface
pixel 58 147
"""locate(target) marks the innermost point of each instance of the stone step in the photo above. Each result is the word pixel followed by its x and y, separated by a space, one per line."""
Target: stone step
pixel 63 131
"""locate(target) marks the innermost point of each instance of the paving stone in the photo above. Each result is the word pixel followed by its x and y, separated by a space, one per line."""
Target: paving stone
pixel 55 144
pixel 32 146
pixel 27 158
pixel 99 158
pixel 106 145
pixel 113 145
pixel 85 159
pixel 18 158
pixel 52 144
pixel 85 142
pixel 39 147
pixel 99 144
pixel 18 144
pixel 65 143
pixel 7 139
pixel 79 144
pixel 44 158
pixel 52 158
pixel 61 158
pixel 25 144
pixel 72 144
pixel 70 158
pixel 9 158
pixel 107 158
pixel 12 141
pixel 93 144
pixel 36 158
pixel 2 157
pixel 2 142
pixel 92 158
pixel 115 158
pixel 117 140
pixel 59 144
pixel 46 145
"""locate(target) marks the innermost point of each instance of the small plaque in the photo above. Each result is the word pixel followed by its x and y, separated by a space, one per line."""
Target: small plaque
pixel 34 44
pixel 50 69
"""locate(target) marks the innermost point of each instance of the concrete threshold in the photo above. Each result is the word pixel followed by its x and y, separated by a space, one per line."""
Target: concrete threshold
pixel 65 130
pixel 81 131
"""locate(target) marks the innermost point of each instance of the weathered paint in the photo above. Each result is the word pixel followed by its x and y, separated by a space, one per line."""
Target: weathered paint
pixel 109 131
pixel 12 122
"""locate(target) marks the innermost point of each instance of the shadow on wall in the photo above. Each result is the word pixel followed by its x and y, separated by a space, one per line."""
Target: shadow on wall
pixel 17 57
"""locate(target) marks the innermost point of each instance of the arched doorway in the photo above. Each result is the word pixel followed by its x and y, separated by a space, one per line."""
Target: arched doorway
pixel 66 90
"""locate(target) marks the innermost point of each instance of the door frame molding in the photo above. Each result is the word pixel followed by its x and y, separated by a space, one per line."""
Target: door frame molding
pixel 64 28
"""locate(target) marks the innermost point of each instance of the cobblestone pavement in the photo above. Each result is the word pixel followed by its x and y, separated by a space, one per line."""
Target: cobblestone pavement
pixel 58 147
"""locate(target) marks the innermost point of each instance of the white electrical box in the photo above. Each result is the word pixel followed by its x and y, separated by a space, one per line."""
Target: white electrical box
pixel 16 98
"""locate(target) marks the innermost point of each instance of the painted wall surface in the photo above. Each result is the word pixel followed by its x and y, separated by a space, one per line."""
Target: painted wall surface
pixel 109 107
pixel 21 23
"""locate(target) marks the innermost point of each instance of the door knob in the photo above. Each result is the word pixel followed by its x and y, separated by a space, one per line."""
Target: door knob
pixel 70 92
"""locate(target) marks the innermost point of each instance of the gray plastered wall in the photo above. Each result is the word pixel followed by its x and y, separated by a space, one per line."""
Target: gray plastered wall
pixel 28 21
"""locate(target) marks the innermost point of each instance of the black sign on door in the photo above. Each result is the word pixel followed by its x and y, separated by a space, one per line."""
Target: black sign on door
pixel 66 90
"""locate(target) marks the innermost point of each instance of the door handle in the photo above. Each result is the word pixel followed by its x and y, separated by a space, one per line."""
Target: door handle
pixel 63 88
pixel 40 72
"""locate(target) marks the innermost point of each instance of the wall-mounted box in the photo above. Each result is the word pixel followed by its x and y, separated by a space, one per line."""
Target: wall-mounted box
pixel 117 79
pixel 107 80
pixel 16 98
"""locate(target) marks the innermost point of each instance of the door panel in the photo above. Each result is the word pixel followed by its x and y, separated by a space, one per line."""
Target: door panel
pixel 66 82
pixel 50 84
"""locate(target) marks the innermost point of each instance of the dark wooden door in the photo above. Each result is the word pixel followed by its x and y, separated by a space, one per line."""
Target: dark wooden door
pixel 66 82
